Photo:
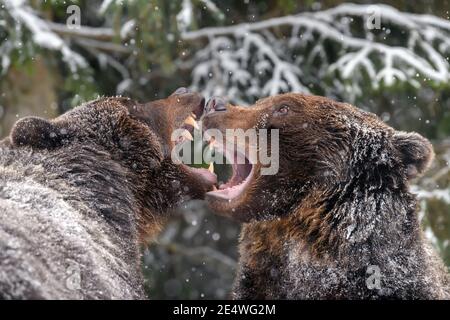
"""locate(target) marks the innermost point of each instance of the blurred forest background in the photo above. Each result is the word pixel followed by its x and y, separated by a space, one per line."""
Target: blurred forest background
pixel 391 58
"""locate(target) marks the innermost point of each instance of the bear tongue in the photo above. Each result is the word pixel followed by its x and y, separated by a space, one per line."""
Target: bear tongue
pixel 240 173
pixel 205 174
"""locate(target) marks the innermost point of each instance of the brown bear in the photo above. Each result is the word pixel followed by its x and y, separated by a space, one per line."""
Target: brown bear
pixel 80 193
pixel 337 221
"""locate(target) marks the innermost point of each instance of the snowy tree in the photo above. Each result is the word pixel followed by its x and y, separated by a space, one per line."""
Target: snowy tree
pixel 292 53
pixel 24 18
pixel 334 52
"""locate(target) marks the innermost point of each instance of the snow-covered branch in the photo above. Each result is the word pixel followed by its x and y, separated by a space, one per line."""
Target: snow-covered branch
pixel 42 35
pixel 53 36
pixel 247 61
pixel 97 33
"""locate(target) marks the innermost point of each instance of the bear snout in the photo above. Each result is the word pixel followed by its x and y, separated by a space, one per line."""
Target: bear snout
pixel 215 104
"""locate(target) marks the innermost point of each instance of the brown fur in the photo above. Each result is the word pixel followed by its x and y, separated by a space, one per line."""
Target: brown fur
pixel 339 204
pixel 103 182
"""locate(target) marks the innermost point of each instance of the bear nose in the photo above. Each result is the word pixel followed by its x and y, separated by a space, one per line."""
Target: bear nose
pixel 182 90
pixel 215 104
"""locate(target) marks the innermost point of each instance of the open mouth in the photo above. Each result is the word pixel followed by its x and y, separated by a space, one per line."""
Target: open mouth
pixel 241 168
pixel 190 123
pixel 188 126
pixel 241 171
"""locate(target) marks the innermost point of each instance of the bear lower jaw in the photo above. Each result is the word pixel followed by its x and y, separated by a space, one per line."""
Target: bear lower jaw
pixel 235 187
pixel 243 171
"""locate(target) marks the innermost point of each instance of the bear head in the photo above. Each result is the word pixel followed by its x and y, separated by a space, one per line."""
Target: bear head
pixel 322 144
pixel 135 139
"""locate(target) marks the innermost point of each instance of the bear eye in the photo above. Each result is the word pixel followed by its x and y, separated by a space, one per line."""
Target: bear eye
pixel 282 110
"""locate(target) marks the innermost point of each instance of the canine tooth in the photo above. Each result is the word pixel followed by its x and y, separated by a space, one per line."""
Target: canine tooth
pixel 211 167
pixel 187 135
pixel 191 121
pixel 193 115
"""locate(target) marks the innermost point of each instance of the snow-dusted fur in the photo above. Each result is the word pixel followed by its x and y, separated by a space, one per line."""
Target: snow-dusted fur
pixel 61 239
pixel 79 193
pixel 338 220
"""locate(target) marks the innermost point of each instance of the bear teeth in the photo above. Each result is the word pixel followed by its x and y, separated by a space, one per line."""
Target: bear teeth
pixel 191 121
pixel 186 134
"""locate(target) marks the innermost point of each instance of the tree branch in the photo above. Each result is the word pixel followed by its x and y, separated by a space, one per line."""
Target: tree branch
pixel 270 69
pixel 101 34
pixel 103 46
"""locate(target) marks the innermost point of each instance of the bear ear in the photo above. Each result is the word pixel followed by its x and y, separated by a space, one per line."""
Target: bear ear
pixel 36 133
pixel 416 152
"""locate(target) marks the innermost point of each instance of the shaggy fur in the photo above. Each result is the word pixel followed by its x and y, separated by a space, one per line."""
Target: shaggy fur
pixel 79 193
pixel 339 206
